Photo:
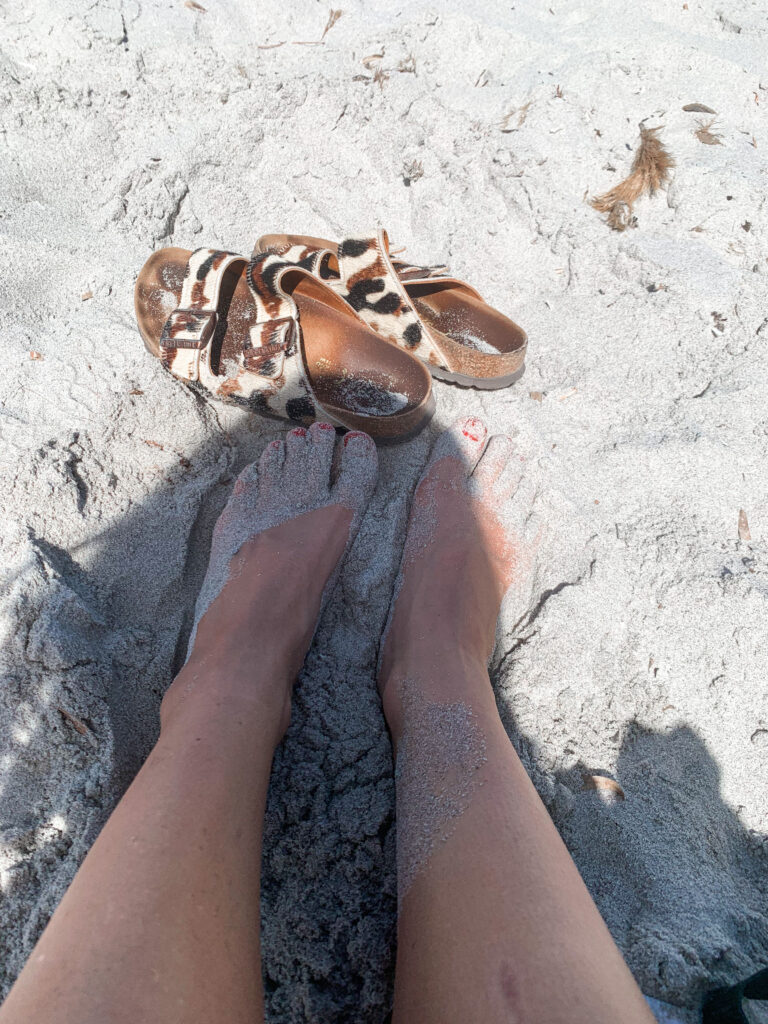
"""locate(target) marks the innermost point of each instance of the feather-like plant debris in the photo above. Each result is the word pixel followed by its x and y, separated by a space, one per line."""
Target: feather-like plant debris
pixel 705 134
pixel 650 170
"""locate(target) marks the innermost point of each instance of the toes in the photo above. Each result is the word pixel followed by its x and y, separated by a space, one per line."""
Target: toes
pixel 271 463
pixel 321 441
pixel 498 455
pixel 358 470
pixel 248 477
pixel 513 478
pixel 463 441
pixel 295 448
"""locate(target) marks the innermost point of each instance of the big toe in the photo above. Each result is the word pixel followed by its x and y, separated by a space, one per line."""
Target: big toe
pixel 358 470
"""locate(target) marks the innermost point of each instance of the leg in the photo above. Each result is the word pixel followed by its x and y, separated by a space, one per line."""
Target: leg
pixel 495 922
pixel 161 923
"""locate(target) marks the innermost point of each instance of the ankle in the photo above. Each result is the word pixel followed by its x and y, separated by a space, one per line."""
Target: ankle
pixel 441 662
pixel 441 680
pixel 216 698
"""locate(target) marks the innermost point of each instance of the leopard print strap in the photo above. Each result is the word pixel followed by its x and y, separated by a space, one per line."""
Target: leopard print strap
pixel 274 359
pixel 189 329
pixel 268 375
pixel 308 258
pixel 370 283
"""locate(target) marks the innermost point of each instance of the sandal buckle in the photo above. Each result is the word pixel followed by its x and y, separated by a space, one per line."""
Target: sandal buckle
pixel 189 328
pixel 281 332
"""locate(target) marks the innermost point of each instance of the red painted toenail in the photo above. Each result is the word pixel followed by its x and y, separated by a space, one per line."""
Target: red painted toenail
pixel 474 429
pixel 299 432
pixel 326 426
pixel 354 433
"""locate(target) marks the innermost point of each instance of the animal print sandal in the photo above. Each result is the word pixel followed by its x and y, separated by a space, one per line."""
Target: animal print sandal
pixel 267 334
pixel 425 311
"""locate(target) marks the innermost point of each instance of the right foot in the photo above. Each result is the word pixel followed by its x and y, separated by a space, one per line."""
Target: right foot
pixel 466 546
pixel 275 555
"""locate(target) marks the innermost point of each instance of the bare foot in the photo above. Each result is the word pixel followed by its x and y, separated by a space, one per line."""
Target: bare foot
pixel 466 545
pixel 276 554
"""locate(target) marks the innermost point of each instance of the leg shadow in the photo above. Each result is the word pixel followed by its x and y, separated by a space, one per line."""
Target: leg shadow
pixel 681 883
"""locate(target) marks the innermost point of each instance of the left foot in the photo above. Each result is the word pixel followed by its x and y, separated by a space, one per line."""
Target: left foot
pixel 275 555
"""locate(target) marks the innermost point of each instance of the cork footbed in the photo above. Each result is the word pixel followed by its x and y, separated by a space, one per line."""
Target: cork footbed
pixel 479 343
pixel 361 380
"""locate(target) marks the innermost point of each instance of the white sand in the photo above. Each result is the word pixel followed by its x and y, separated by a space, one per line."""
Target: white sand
pixel 641 654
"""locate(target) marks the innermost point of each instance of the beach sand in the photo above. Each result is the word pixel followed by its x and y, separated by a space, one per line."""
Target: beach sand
pixel 475 133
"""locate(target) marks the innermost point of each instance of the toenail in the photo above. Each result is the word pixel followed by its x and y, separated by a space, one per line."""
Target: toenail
pixel 474 429
pixel 354 433
pixel 299 432
pixel 325 426
pixel 275 444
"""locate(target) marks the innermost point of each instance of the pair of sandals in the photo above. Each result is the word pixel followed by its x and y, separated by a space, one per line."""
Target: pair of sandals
pixel 309 330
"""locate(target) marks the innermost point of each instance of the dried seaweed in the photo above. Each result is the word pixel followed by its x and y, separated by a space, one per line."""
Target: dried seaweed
pixel 650 170
pixel 705 134
pixel 507 126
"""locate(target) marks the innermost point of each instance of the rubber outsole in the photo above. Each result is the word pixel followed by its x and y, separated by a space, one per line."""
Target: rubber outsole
pixel 478 383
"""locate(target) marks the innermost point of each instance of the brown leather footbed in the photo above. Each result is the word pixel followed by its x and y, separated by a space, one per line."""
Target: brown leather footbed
pixel 355 375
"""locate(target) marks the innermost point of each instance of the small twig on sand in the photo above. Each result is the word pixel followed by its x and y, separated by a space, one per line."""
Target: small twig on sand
pixel 76 724
pixel 650 170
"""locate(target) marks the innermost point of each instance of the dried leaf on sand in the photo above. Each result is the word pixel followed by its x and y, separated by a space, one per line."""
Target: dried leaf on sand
pixel 605 785
pixel 698 108
pixel 744 533
pixel 650 170
pixel 333 17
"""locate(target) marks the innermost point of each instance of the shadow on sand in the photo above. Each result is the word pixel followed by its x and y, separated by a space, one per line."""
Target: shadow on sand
pixel 96 634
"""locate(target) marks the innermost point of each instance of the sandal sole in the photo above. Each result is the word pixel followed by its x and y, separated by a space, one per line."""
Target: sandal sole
pixel 478 383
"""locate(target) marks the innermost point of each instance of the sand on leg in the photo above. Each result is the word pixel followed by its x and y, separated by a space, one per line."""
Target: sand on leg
pixel 495 923
pixel 161 922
